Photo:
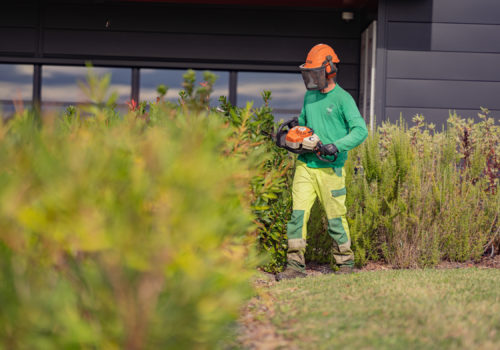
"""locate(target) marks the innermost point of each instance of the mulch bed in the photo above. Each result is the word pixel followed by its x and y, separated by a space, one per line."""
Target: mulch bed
pixel 314 269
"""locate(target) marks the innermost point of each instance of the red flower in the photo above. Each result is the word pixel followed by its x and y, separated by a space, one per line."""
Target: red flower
pixel 132 105
pixel 204 84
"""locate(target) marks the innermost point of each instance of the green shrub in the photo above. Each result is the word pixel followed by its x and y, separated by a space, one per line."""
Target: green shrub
pixel 126 231
pixel 417 196
pixel 271 187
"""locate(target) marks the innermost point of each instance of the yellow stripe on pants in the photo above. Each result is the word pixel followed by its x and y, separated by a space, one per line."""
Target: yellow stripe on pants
pixel 328 185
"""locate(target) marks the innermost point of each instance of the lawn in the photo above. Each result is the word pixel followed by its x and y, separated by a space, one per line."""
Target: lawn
pixel 392 309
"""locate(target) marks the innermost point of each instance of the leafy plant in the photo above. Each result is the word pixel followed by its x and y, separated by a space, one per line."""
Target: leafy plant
pixel 417 196
pixel 124 232
pixel 270 187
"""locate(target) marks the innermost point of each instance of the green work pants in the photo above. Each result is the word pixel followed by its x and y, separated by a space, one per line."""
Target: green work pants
pixel 328 184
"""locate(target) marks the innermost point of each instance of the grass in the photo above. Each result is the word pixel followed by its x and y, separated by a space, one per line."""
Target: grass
pixel 397 309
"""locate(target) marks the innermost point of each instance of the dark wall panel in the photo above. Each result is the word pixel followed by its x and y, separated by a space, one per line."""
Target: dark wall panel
pixel 348 76
pixel 443 65
pixel 444 11
pixel 208 20
pixel 18 16
pixel 438 55
pixel 409 36
pixel 467 11
pixel 175 32
pixel 17 40
pixel 152 34
pixel 190 46
pixel 166 31
pixel 465 37
pixel 442 94
pixel 409 10
pixel 443 37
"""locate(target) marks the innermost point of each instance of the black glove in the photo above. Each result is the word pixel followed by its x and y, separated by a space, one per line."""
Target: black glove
pixel 329 150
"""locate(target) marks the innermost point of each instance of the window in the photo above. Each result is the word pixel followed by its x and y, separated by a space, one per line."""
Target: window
pixel 287 91
pixel 367 81
pixel 16 84
pixel 172 78
pixel 60 88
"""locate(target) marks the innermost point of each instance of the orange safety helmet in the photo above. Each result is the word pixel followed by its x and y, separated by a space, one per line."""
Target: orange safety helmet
pixel 319 66
pixel 318 56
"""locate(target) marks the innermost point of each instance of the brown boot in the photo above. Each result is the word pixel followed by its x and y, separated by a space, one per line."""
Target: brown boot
pixel 290 273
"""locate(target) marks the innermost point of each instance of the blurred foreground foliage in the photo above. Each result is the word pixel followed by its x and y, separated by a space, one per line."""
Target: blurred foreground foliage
pixel 132 231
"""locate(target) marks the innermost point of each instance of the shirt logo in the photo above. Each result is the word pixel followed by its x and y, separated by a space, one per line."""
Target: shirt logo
pixel 329 109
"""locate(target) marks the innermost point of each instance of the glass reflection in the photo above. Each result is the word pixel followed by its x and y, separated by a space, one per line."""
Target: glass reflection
pixel 16 86
pixel 287 91
pixel 60 84
pixel 172 78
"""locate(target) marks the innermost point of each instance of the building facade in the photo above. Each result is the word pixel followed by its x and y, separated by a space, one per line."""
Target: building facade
pixel 397 56
pixel 434 56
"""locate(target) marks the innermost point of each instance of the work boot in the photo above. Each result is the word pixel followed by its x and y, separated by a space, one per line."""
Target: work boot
pixel 289 274
pixel 344 269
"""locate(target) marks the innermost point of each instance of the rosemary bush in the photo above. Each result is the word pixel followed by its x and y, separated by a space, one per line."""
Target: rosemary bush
pixel 417 196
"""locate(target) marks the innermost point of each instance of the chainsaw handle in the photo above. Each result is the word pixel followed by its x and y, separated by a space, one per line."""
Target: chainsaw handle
pixel 320 156
pixel 283 130
pixel 326 159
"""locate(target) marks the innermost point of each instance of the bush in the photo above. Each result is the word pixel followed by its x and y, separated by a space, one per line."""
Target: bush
pixel 417 196
pixel 271 187
pixel 131 231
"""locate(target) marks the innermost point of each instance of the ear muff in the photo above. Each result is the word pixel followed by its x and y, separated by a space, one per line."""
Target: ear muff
pixel 328 63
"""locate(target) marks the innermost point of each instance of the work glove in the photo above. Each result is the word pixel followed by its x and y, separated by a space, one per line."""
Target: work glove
pixel 329 150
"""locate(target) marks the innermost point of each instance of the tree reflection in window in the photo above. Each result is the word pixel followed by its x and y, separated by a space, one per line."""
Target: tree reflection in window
pixel 60 87
pixel 16 87
pixel 287 91
pixel 172 78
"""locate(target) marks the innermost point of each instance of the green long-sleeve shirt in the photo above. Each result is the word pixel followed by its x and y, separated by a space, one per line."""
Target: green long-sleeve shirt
pixel 335 118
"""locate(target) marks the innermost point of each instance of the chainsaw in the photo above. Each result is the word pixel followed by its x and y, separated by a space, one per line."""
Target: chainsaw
pixel 299 139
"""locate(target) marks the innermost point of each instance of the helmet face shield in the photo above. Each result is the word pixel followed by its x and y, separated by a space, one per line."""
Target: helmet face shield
pixel 314 78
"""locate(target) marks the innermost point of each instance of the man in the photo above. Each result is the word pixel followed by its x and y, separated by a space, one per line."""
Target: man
pixel 333 115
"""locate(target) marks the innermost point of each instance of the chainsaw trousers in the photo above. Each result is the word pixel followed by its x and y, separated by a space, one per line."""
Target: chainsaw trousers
pixel 327 184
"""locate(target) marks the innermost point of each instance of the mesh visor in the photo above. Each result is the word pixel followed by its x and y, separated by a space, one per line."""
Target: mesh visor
pixel 314 78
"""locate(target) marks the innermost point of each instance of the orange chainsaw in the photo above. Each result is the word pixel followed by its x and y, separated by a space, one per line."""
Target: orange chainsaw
pixel 300 139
